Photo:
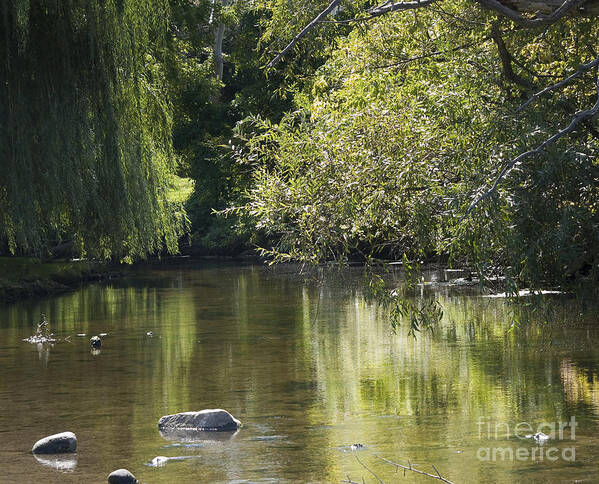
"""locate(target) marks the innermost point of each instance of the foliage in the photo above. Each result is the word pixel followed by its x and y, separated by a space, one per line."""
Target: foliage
pixel 409 119
pixel 206 111
pixel 85 134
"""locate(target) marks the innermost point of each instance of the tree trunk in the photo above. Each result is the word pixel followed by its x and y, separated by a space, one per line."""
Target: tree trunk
pixel 219 34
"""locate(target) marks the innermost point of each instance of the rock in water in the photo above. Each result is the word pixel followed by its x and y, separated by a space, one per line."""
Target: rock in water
pixel 540 437
pixel 121 476
pixel 210 419
pixel 159 461
pixel 56 444
pixel 95 341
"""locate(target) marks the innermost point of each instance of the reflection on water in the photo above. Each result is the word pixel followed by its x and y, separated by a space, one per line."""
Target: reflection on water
pixel 198 436
pixel 63 463
pixel 309 368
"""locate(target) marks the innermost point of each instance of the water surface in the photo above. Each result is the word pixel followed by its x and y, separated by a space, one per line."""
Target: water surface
pixel 309 367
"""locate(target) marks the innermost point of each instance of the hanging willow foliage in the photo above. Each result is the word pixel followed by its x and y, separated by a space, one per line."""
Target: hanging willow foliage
pixel 85 130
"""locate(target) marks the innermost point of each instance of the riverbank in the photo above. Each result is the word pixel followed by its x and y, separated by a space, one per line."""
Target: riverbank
pixel 23 277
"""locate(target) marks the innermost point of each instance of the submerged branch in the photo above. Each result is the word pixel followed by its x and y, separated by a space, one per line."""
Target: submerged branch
pixel 411 468
pixel 365 467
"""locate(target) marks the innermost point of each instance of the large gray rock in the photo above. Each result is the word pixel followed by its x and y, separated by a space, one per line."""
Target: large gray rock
pixel 121 476
pixel 56 444
pixel 210 419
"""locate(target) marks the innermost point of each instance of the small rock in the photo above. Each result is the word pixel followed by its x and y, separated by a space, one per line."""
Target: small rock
pixel 210 419
pixel 56 444
pixel 95 341
pixel 121 476
pixel 159 461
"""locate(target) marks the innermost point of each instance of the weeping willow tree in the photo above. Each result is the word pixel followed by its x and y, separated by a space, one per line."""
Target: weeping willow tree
pixel 85 130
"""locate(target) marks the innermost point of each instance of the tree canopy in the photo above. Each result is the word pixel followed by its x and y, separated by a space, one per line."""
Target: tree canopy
pixel 413 119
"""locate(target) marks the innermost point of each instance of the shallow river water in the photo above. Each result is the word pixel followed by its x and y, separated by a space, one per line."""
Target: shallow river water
pixel 310 368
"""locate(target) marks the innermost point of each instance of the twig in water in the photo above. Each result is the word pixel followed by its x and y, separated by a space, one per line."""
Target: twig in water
pixel 417 471
pixel 365 467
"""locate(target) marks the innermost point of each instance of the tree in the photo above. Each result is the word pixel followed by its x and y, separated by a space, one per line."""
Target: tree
pixel 410 124
pixel 85 130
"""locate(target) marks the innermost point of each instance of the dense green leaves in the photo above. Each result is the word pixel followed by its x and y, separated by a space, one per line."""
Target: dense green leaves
pixel 85 129
pixel 410 119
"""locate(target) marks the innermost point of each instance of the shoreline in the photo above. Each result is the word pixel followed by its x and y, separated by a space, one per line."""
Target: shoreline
pixel 23 277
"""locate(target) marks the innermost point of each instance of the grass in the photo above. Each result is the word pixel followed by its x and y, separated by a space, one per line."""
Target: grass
pixel 181 190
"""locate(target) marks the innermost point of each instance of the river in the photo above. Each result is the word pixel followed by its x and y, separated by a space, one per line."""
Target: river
pixel 310 367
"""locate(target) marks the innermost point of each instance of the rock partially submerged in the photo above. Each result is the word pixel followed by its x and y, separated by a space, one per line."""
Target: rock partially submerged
pixel 56 444
pixel 95 342
pixel 539 437
pixel 161 460
pixel 204 420
pixel 121 476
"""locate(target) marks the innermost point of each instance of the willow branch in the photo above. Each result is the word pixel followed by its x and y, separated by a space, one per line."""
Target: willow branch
pixel 304 32
pixel 390 6
pixel 514 15
pixel 411 468
pixel 581 69
pixel 506 59
pixel 578 117
pixel 431 54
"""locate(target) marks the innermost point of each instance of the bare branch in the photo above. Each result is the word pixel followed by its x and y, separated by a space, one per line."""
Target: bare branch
pixel 581 69
pixel 411 468
pixel 304 31
pixel 578 117
pixel 391 6
pixel 432 54
pixel 514 15
pixel 374 12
